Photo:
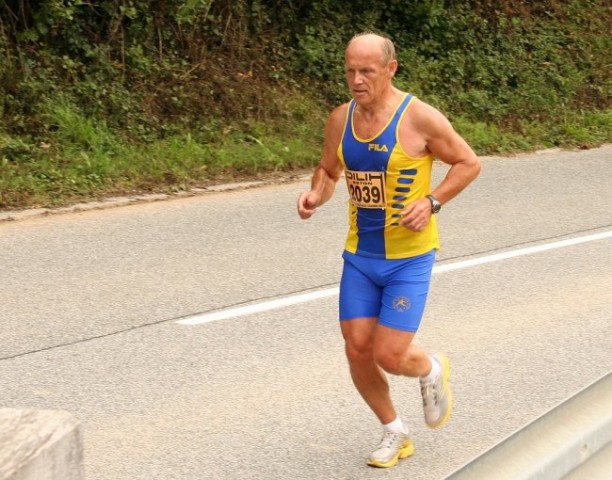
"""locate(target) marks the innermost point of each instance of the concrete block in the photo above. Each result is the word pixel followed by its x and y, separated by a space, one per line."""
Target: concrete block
pixel 40 445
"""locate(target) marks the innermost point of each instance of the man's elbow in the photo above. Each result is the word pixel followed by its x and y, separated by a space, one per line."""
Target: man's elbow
pixel 332 175
pixel 474 166
pixel 477 166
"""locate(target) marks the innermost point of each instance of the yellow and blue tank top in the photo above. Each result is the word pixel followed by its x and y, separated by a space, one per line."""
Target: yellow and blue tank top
pixel 382 179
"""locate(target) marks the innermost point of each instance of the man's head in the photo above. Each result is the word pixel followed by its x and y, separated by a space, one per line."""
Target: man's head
pixel 370 65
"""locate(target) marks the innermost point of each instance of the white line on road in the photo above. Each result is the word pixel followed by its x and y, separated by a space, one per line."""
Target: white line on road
pixel 329 292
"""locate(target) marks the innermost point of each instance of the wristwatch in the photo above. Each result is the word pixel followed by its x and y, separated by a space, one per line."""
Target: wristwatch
pixel 435 205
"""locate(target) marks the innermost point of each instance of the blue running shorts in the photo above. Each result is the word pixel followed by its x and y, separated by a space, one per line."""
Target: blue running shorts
pixel 394 291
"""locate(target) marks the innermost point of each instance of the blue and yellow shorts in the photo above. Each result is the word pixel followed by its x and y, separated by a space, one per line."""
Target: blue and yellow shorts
pixel 394 291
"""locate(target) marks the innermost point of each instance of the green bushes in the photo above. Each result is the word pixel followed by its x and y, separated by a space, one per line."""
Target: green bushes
pixel 109 96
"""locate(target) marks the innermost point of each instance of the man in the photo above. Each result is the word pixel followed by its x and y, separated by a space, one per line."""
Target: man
pixel 385 140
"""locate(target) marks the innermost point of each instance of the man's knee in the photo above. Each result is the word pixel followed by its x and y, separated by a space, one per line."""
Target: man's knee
pixel 359 351
pixel 396 362
pixel 388 361
pixel 359 339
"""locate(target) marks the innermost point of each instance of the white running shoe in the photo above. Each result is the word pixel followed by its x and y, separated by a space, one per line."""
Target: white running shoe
pixel 437 395
pixel 391 448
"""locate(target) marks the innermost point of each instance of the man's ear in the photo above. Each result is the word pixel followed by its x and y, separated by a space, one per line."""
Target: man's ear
pixel 392 67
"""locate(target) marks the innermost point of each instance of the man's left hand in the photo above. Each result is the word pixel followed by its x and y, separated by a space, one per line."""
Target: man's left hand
pixel 416 215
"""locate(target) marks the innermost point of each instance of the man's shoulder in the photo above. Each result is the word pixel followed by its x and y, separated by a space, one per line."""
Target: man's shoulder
pixel 421 112
pixel 338 115
pixel 340 110
pixel 417 105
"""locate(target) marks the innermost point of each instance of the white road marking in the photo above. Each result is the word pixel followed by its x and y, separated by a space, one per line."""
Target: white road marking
pixel 259 307
pixel 329 292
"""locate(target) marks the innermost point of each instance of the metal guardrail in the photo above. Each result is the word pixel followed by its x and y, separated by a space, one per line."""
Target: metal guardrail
pixel 562 441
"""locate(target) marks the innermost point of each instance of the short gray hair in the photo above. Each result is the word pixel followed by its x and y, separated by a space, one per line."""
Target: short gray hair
pixel 388 48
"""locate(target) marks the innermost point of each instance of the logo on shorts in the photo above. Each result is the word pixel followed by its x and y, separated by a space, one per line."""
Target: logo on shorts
pixel 401 304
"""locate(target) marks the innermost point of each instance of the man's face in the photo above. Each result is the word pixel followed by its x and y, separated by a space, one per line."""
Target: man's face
pixel 366 74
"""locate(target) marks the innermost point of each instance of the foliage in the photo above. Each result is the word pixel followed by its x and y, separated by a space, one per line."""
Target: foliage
pixel 98 97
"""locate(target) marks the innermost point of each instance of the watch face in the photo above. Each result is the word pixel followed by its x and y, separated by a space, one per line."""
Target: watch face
pixel 435 205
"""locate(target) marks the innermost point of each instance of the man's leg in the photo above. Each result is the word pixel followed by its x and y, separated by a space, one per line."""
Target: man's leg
pixel 395 353
pixel 369 379
pixel 371 382
pixel 373 349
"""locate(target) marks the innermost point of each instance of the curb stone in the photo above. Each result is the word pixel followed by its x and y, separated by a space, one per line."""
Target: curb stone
pixel 113 202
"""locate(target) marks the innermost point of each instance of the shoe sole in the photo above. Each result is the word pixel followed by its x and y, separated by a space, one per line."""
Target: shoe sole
pixel 406 450
pixel 445 363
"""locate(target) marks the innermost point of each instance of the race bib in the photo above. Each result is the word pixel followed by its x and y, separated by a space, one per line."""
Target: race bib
pixel 366 189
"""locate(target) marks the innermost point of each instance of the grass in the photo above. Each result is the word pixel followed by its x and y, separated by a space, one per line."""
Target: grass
pixel 84 160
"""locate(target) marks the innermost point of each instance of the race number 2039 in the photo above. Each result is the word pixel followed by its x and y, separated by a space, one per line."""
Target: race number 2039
pixel 366 189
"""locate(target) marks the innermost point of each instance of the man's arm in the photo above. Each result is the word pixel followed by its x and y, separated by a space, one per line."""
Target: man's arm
pixel 447 145
pixel 327 173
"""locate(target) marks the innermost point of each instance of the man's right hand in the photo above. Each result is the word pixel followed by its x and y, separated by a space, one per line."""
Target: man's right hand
pixel 307 204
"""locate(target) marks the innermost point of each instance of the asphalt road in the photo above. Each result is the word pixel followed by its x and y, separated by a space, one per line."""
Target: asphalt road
pixel 90 304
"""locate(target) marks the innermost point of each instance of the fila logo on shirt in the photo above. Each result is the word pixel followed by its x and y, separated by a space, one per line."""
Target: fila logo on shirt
pixel 377 148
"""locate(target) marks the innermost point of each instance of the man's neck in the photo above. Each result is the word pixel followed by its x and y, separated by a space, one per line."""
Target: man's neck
pixel 384 106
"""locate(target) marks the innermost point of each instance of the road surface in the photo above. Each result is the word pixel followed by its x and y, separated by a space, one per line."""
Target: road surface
pixel 105 314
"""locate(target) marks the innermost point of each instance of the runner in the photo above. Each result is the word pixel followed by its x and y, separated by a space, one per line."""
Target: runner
pixel 384 141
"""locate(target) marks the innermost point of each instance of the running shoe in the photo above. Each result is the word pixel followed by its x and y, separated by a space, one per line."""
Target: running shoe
pixel 437 395
pixel 391 448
